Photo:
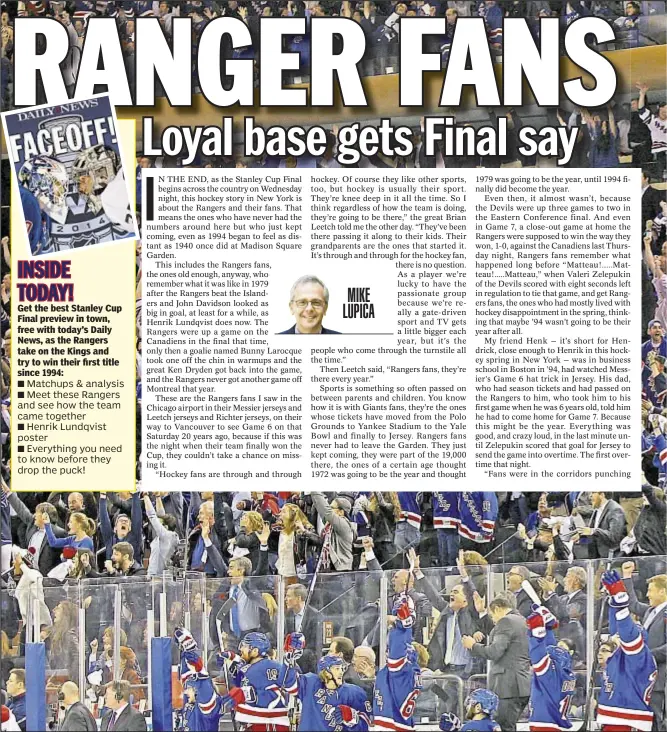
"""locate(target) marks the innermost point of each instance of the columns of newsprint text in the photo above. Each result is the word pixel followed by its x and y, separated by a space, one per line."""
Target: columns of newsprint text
pixel 73 360
pixel 480 328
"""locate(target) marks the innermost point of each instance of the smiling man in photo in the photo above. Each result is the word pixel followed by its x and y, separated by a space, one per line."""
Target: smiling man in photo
pixel 309 300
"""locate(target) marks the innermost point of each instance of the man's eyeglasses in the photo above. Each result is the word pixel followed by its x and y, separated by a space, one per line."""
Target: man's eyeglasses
pixel 303 304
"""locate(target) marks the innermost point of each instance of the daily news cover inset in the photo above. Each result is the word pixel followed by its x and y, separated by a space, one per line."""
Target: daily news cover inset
pixel 70 176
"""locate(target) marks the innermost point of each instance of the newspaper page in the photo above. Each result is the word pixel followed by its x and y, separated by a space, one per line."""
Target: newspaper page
pixel 450 515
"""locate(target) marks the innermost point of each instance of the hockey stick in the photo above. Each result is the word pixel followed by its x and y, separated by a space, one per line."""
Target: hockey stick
pixel 225 671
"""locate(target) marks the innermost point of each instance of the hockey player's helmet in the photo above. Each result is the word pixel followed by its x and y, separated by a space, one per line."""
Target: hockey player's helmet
pixel 326 663
pixel 99 163
pixel 260 641
pixel 47 180
pixel 487 700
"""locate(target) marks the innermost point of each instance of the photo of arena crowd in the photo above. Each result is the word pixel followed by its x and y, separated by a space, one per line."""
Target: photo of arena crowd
pixel 409 609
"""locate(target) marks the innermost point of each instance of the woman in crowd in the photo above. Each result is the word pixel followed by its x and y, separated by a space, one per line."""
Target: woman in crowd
pixel 297 541
pixel 80 529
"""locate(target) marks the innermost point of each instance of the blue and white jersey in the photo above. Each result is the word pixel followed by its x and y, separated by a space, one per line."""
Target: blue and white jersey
pixel 318 706
pixel 446 510
pixel 398 684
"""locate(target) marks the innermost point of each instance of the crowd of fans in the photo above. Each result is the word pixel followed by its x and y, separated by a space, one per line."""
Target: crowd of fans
pixel 463 558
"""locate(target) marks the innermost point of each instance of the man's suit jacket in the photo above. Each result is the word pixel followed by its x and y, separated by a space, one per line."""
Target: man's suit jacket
pixel 129 721
pixel 612 527
pixel 325 331
pixel 437 648
pixel 509 671
pixel 47 558
pixel 311 627
pixel 656 632
pixel 78 719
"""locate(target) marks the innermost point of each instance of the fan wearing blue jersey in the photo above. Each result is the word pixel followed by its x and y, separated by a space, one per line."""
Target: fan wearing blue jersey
pixel 261 685
pixel 202 705
pixel 629 670
pixel 399 683
pixel 328 704
pixel 480 707
pixel 552 683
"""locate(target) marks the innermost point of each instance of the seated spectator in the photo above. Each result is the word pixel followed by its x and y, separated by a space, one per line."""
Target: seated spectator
pixel 16 690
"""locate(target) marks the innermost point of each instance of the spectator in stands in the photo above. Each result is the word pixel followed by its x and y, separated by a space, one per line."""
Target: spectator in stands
pixel 247 538
pixel 165 539
pixel 649 530
pixel 47 557
pixel 16 690
pixel 656 341
pixel 198 556
pixel 338 534
pixel 515 578
pixel 104 662
pixel 603 151
pixel 122 561
pixel 129 673
pixel 651 199
pixel 80 529
pixel 62 640
pixel 507 651
pixel 297 541
pixel 657 124
pixel 125 528
pixel 607 526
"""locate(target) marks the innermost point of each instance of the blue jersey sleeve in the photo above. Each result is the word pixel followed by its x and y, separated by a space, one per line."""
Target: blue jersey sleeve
pixel 399 638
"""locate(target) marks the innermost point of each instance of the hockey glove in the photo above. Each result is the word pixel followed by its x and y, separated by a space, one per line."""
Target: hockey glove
pixel 294 645
pixel 235 697
pixel 618 597
pixel 346 716
pixel 185 640
pixel 536 626
pixel 550 621
pixel 449 722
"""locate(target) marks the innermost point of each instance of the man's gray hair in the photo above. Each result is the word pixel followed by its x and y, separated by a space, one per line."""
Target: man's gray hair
pixel 307 280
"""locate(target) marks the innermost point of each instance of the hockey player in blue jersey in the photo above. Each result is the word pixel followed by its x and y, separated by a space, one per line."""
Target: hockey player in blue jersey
pixel 399 683
pixel 36 222
pixel 552 683
pixel 261 685
pixel 480 707
pixel 629 670
pixel 202 705
pixel 328 704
